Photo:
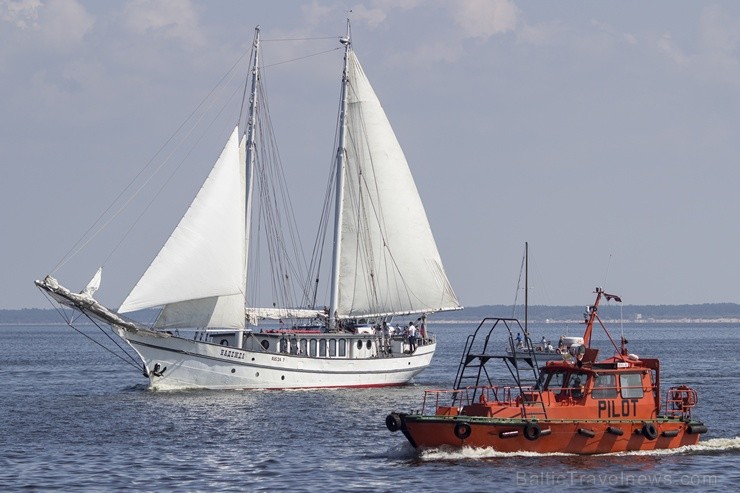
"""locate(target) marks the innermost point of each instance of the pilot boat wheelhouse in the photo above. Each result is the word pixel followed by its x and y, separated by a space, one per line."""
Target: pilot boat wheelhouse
pixel 577 405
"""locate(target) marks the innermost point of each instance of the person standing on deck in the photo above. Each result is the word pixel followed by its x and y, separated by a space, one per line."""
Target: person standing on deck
pixel 412 337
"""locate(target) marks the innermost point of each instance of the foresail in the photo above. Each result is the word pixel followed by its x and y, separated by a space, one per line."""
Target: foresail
pixel 389 260
pixel 199 274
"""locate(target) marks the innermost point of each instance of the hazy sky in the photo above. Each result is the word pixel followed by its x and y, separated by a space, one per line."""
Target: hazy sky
pixel 606 134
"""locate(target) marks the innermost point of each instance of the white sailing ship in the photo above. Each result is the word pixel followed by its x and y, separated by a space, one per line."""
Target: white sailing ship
pixel 206 336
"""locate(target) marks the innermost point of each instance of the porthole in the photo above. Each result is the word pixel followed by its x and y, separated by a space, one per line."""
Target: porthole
pixel 257 374
pixel 369 344
pixel 359 344
pixel 233 370
pixel 265 344
pixel 282 378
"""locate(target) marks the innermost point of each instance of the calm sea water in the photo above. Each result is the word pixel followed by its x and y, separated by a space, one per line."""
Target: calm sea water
pixel 74 418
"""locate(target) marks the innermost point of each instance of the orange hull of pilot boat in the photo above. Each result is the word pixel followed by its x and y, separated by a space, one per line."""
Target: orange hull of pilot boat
pixel 578 405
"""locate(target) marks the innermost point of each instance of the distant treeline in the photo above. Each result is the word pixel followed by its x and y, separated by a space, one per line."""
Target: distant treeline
pixel 537 313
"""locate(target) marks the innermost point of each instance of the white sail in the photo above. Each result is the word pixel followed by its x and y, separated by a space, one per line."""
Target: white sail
pixel 389 262
pixel 199 274
pixel 94 284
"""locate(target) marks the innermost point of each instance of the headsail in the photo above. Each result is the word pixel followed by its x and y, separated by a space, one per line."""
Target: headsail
pixel 389 260
pixel 94 284
pixel 199 274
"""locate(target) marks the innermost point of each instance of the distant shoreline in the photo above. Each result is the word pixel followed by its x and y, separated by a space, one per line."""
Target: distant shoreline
pixel 708 313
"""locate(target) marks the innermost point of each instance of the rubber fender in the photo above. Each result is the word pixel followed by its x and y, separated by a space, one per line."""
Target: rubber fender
pixel 697 428
pixel 462 430
pixel 649 431
pixel 615 431
pixel 669 433
pixel 586 433
pixel 532 431
pixel 393 422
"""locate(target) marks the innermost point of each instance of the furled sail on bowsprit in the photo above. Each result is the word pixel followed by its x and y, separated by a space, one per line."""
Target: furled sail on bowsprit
pixel 389 260
pixel 199 274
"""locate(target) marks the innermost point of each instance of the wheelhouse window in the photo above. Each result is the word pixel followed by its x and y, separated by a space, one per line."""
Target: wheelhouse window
pixel 605 386
pixel 332 348
pixel 577 384
pixel 304 346
pixel 312 346
pixel 322 348
pixel 631 384
pixel 555 382
pixel 342 348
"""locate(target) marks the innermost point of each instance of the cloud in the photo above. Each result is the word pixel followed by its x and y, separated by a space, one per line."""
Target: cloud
pixel 606 28
pixel 373 17
pixel 22 13
pixel 168 19
pixel 65 22
pixel 668 48
pixel 485 18
pixel 57 23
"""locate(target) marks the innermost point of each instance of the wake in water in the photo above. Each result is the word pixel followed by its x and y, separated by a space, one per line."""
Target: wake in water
pixel 715 446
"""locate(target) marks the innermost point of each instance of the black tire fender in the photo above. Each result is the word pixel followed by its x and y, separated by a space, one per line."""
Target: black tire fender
pixel 463 430
pixel 649 431
pixel 532 431
pixel 393 422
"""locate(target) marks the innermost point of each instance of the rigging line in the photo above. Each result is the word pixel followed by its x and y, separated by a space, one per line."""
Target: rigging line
pixel 287 204
pixel 70 321
pixel 273 40
pixel 194 144
pixel 72 252
pixel 608 265
pixel 303 57
pixel 131 359
pixel 518 287
pixel 299 39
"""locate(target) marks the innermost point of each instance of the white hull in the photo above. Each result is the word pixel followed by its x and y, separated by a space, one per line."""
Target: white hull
pixel 177 363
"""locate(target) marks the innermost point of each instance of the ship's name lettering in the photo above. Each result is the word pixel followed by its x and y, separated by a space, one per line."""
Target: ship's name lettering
pixel 611 409
pixel 230 353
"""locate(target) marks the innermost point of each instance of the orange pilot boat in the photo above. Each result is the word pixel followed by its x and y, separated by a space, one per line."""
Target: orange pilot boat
pixel 577 405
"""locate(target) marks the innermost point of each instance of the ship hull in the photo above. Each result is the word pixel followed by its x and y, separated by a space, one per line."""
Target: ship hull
pixel 571 437
pixel 173 363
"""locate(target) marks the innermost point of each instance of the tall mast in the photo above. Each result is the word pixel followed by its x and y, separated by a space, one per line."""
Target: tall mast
pixel 526 288
pixel 340 163
pixel 249 161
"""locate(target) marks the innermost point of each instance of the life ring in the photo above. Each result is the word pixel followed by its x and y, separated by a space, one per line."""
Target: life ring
pixel 649 431
pixel 532 431
pixel 462 430
pixel 393 422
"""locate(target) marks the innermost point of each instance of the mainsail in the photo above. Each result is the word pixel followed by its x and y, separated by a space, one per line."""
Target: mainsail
pixel 199 274
pixel 389 262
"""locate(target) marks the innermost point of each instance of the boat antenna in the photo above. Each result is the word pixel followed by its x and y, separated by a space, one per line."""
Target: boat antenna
pixel 608 265
pixel 526 288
